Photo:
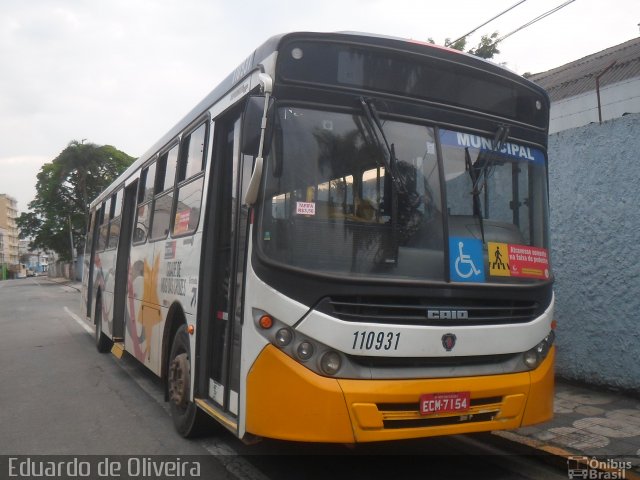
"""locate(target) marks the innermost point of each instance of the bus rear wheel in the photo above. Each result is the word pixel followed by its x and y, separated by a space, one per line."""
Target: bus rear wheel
pixel 187 417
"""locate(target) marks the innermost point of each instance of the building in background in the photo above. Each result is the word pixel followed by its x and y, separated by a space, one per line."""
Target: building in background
pixel 9 256
pixel 4 253
pixel 593 89
pixel 37 261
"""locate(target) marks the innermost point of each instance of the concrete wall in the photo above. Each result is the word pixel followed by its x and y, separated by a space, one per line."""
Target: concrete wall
pixel 594 181
pixel 615 100
pixel 70 270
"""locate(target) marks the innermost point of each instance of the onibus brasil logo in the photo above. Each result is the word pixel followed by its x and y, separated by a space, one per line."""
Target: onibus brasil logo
pixel 592 468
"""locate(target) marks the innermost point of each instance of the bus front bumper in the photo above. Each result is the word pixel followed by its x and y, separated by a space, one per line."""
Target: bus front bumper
pixel 287 401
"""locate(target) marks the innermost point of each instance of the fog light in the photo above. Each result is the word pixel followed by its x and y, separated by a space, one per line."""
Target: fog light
pixel 305 351
pixel 284 337
pixel 330 363
pixel 531 358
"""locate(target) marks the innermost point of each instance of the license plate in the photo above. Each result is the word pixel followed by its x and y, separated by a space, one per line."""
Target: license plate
pixel 444 402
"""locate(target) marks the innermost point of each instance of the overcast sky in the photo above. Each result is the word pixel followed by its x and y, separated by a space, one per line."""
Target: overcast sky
pixel 122 72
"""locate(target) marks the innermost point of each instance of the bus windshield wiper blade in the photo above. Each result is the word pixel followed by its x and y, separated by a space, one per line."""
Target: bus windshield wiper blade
pixel 390 159
pixel 476 173
pixel 479 170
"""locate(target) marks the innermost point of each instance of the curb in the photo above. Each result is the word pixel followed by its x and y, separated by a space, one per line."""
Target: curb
pixel 65 281
pixel 560 457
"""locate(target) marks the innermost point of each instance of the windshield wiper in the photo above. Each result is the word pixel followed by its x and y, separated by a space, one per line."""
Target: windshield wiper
pixel 391 169
pixel 479 171
pixel 390 160
pixel 475 172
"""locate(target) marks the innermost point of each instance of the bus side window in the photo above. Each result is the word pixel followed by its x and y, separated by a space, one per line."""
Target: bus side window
pixel 145 196
pixel 114 228
pixel 89 239
pixel 147 185
pixel 167 163
pixel 104 225
pixel 193 159
pixel 163 200
pixel 191 181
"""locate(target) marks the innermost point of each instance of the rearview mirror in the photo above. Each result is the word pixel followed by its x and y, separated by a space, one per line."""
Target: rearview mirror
pixel 252 125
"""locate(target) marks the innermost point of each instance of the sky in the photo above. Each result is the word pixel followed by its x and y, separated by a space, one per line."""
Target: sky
pixel 123 72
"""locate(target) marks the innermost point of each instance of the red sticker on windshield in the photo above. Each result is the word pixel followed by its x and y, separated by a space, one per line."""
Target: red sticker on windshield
pixel 506 260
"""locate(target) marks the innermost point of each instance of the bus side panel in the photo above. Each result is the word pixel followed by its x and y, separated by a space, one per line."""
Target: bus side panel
pixel 161 274
pixel 103 272
pixel 108 263
pixel 259 297
pixel 143 315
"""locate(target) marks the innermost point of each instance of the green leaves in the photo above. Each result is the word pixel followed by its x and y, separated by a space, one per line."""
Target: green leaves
pixel 65 187
pixel 487 48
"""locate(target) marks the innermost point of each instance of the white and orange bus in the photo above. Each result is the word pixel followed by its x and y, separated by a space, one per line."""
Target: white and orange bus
pixel 346 241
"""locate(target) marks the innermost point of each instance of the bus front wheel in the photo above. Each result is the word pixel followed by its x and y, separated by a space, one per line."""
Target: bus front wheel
pixel 186 415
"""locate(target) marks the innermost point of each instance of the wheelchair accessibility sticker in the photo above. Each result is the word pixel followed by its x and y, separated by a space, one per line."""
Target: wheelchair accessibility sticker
pixel 466 260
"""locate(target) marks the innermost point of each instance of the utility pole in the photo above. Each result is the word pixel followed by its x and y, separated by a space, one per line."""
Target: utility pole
pixel 73 252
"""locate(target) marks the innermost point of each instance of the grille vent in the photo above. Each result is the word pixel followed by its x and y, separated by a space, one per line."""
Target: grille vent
pixel 431 312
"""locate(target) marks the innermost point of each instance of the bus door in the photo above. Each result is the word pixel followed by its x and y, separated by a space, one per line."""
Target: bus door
pixel 227 255
pixel 122 261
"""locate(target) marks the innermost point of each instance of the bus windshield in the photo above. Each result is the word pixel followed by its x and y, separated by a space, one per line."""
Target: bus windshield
pixel 331 204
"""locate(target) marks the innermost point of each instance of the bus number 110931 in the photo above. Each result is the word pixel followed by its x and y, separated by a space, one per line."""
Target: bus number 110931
pixel 369 340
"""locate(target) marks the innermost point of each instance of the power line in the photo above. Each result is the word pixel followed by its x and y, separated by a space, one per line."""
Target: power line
pixel 531 22
pixel 480 26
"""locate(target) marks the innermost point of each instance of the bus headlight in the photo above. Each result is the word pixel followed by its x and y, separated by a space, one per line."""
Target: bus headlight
pixel 314 355
pixel 305 351
pixel 283 337
pixel 330 362
pixel 534 357
pixel 531 359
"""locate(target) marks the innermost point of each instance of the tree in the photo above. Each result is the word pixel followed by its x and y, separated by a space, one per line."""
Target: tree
pixel 64 189
pixel 487 48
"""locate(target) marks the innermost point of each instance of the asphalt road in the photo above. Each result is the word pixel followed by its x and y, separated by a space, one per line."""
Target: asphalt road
pixel 59 396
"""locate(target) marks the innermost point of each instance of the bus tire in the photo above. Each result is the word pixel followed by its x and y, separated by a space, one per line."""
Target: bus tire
pixel 187 417
pixel 103 343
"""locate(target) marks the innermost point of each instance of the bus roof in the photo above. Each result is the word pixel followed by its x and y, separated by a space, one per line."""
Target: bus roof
pixel 254 60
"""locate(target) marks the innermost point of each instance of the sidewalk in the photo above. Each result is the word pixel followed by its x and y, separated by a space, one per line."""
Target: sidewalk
pixel 65 281
pixel 589 423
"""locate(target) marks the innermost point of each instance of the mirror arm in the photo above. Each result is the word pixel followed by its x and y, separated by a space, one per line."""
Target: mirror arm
pixel 251 195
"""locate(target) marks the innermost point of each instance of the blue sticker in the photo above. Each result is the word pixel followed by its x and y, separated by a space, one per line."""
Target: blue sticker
pixel 466 260
pixel 511 150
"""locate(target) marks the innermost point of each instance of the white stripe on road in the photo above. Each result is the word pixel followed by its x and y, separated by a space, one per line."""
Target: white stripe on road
pixel 80 322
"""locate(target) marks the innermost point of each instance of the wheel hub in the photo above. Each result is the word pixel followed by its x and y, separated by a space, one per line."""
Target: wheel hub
pixel 179 380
